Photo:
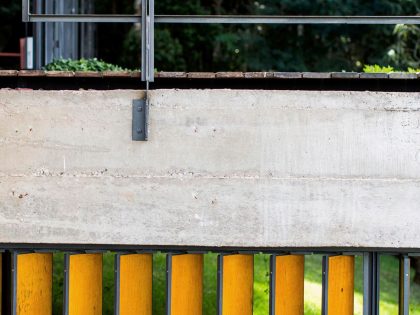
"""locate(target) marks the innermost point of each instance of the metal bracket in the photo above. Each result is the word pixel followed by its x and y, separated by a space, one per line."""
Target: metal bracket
pixel 140 120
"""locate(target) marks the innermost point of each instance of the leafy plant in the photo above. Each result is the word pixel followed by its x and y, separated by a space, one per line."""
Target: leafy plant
pixel 388 69
pixel 412 70
pixel 377 69
pixel 81 65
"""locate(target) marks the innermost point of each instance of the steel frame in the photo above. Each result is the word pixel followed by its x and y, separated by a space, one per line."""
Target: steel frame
pixel 325 277
pixel 148 20
pixel 220 283
pixel 371 275
pixel 404 285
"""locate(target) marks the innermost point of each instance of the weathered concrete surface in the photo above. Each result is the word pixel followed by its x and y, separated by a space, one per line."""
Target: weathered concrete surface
pixel 222 168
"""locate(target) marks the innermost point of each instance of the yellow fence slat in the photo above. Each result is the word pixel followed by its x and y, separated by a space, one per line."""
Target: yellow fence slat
pixel 186 272
pixel 85 284
pixel 341 285
pixel 135 284
pixel 289 285
pixel 237 284
pixel 34 284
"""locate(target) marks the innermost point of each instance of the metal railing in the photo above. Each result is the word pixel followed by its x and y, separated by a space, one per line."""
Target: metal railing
pixel 84 273
pixel 148 20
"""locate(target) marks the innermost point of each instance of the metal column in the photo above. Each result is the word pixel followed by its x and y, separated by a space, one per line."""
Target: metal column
pixel 147 40
pixel 404 292
pixel 325 274
pixel 371 262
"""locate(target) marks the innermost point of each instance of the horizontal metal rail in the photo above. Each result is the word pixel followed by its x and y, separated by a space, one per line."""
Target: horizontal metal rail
pixel 84 18
pixel 226 19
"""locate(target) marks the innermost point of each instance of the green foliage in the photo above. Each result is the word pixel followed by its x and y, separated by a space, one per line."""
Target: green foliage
pixel 81 65
pixel 377 69
pixel 405 51
pixel 388 69
pixel 412 70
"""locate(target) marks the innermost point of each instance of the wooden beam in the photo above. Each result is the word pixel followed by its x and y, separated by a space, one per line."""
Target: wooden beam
pixel 84 280
pixel 237 282
pixel 341 285
pixel 288 286
pixel 186 284
pixel 134 276
pixel 33 280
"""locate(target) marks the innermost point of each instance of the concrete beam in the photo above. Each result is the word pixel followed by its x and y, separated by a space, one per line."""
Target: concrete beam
pixel 222 168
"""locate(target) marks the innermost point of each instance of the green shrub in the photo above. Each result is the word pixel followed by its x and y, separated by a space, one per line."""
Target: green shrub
pixel 81 65
pixel 388 69
pixel 377 69
pixel 412 70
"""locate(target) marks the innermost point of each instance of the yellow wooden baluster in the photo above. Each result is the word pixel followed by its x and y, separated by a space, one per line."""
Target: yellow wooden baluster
pixel 85 284
pixel 186 284
pixel 237 285
pixel 135 284
pixel 34 284
pixel 341 285
pixel 289 285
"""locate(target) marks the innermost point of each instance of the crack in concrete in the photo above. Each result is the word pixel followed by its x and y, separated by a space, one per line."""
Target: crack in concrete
pixel 104 175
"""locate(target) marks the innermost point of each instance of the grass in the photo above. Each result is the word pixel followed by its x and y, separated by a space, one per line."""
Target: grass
pixel 388 284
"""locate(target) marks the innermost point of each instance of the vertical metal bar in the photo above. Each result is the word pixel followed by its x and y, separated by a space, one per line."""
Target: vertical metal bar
pixel 66 284
pixel 147 40
pixel 75 31
pixel 325 272
pixel 87 31
pixel 366 284
pixel 371 270
pixel 59 39
pixel 14 282
pixel 168 283
pixel 143 39
pixel 38 36
pixel 404 292
pixel 272 297
pixel 25 10
pixel 49 33
pixel 117 284
pixel 151 40
pixel 219 284
pixel 69 35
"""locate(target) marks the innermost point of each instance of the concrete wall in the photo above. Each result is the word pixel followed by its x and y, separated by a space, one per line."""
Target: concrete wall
pixel 222 168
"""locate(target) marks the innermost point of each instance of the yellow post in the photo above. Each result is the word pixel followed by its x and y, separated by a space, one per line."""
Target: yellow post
pixel 85 284
pixel 341 285
pixel 289 285
pixel 135 274
pixel 186 281
pixel 237 284
pixel 33 284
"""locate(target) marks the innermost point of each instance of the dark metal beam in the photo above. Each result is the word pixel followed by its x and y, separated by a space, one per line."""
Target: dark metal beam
pixel 225 19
